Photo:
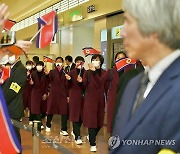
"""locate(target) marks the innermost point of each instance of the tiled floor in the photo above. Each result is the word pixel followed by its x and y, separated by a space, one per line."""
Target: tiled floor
pixel 67 142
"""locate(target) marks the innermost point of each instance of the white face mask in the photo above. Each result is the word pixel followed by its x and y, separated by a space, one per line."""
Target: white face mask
pixel 96 63
pixel 12 59
pixel 28 67
pixel 58 64
pixel 79 67
pixel 4 60
pixel 39 68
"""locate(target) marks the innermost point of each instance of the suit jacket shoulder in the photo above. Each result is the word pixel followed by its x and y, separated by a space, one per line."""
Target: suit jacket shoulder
pixel 73 66
pixel 158 114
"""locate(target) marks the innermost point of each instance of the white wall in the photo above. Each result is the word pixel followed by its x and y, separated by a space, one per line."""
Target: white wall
pixel 76 37
pixel 82 37
pixel 66 43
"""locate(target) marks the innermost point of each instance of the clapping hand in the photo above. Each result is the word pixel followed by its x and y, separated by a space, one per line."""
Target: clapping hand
pixel 79 78
pixel 68 77
pixel 44 97
pixel 46 71
pixel 91 67
pixel 31 82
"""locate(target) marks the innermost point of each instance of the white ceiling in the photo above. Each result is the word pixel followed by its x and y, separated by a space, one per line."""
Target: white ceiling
pixel 20 9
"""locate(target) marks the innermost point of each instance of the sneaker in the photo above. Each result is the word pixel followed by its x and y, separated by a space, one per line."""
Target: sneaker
pixel 78 141
pixel 48 129
pixel 30 123
pixel 73 135
pixel 88 137
pixel 64 133
pixel 93 149
pixel 42 127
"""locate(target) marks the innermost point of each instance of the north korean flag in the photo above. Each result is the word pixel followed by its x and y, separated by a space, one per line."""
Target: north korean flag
pixel 122 63
pixel 9 142
pixel 5 74
pixel 80 64
pixel 90 51
pixel 59 68
pixel 9 24
pixel 47 59
pixel 49 26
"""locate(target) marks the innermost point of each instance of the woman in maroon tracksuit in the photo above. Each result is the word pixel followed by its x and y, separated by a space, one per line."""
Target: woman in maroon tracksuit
pixel 112 76
pixel 39 84
pixel 28 89
pixel 94 104
pixel 76 98
pixel 57 100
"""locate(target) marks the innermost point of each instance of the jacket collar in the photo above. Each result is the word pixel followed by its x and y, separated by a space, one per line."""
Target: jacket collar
pixel 15 66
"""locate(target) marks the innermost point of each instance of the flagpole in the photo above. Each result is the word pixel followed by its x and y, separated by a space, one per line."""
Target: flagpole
pixel 64 72
pixel 36 34
pixel 80 71
pixel 25 55
pixel 46 64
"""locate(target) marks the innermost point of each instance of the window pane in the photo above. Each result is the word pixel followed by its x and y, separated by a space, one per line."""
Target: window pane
pixel 73 3
pixel 64 5
pixel 83 1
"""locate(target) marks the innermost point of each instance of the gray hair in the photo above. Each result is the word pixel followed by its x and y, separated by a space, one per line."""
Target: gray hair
pixel 157 16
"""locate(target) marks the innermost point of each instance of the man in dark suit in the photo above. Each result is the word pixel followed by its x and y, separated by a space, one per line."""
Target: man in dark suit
pixel 13 90
pixel 70 65
pixel 148 119
pixel 35 61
